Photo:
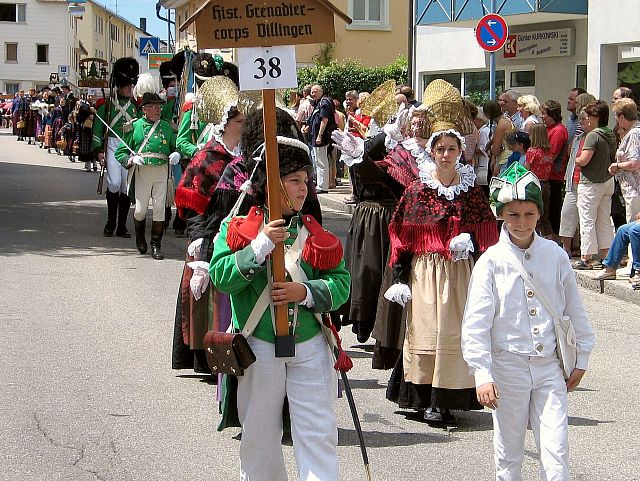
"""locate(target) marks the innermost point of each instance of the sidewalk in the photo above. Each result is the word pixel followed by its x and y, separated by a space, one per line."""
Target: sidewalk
pixel 619 288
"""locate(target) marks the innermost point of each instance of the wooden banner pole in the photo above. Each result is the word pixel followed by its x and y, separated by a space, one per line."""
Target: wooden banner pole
pixel 273 198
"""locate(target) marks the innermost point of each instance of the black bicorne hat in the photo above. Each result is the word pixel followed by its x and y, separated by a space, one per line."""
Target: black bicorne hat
pixel 166 75
pixel 177 64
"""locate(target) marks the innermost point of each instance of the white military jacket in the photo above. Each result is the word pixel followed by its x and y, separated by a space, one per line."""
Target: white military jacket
pixel 503 314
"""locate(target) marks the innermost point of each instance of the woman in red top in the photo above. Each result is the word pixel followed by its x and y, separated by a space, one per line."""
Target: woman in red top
pixel 540 161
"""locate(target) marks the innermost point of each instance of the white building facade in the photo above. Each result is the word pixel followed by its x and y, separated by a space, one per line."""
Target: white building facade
pixel 559 45
pixel 35 37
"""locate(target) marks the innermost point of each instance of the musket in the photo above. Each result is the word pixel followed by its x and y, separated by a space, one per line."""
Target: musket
pixel 116 135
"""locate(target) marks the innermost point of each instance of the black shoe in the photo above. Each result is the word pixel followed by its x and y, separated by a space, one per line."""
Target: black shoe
pixel 107 232
pixel 320 191
pixel 179 232
pixel 123 233
pixel 439 416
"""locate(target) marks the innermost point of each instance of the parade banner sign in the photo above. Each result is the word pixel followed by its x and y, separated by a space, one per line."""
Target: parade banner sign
pixel 544 43
pixel 155 59
pixel 242 23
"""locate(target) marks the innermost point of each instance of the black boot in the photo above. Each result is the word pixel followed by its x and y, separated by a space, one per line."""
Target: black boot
pixel 123 211
pixel 157 229
pixel 112 212
pixel 141 241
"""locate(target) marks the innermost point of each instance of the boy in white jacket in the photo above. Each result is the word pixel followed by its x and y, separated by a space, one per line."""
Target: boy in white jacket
pixel 508 337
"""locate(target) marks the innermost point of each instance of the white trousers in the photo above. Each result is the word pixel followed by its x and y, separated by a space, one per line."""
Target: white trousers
pixel 116 174
pixel 569 219
pixel 310 384
pixel 321 158
pixel 594 209
pixel 150 183
pixel 531 389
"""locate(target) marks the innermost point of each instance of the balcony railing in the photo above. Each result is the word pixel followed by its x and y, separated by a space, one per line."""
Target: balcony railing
pixel 429 12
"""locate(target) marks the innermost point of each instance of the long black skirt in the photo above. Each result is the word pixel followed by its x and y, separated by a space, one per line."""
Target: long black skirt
pixel 366 256
pixel 423 396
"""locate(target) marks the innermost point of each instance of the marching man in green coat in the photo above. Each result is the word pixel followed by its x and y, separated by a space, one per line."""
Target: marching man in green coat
pixel 147 151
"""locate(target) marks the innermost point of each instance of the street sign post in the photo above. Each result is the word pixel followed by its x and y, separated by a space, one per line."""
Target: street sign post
pixel 491 34
pixel 63 71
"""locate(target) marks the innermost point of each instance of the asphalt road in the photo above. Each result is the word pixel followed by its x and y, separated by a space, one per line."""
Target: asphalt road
pixel 86 386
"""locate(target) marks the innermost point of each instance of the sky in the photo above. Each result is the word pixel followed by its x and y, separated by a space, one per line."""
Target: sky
pixel 132 10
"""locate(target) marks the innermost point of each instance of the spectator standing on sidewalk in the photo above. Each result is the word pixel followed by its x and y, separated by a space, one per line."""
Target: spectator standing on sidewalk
pixel 508 101
pixel 627 164
pixel 320 125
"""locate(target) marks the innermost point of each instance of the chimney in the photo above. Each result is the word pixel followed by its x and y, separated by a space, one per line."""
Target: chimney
pixel 143 24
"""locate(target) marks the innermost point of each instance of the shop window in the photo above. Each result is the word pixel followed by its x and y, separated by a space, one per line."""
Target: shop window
pixel 12 88
pixel 523 78
pixel 476 85
pixel 629 76
pixel 11 52
pixel 454 79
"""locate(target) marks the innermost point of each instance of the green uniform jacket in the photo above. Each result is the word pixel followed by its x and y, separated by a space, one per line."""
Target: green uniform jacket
pixel 188 138
pixel 99 128
pixel 167 111
pixel 238 274
pixel 156 151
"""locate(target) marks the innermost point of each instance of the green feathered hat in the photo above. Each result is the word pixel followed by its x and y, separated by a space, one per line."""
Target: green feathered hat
pixel 516 183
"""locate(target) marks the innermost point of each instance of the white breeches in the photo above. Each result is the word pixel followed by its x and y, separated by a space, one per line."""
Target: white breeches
pixel 531 389
pixel 150 183
pixel 321 158
pixel 310 384
pixel 116 174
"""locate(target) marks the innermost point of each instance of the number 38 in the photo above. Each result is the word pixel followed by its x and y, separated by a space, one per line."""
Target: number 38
pixel 274 70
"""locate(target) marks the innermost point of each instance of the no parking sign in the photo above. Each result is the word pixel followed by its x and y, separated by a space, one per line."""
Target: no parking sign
pixel 491 32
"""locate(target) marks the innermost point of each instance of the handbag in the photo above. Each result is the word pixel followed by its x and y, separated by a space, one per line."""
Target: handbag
pixel 21 124
pixel 566 346
pixel 229 352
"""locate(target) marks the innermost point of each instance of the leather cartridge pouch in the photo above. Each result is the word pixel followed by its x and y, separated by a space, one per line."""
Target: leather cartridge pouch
pixel 285 346
pixel 228 353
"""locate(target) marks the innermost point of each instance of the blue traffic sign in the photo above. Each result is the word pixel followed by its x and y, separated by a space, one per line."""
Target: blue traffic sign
pixel 491 32
pixel 149 45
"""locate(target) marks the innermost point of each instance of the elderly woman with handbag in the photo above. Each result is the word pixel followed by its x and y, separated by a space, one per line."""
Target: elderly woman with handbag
pixel 596 185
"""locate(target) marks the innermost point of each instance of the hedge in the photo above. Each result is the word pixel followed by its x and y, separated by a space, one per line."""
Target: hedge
pixel 336 78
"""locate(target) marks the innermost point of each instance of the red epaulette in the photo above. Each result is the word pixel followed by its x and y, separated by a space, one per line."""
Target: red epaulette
pixel 243 230
pixel 187 106
pixel 322 250
pixel 100 102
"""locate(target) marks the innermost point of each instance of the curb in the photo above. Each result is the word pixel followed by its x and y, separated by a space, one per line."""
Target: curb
pixel 327 201
pixel 619 288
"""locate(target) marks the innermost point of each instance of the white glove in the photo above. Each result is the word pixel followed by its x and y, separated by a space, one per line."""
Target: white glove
pixel 399 293
pixel 136 159
pixel 199 279
pixel 394 130
pixel 262 247
pixel 460 246
pixel 174 158
pixel 194 248
pixel 348 144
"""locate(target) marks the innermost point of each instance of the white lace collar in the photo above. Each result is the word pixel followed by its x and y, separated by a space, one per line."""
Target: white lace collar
pixel 235 152
pixel 423 158
pixel 467 179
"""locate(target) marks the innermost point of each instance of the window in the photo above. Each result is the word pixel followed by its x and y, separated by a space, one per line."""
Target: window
pixel 369 14
pixel 11 52
pixel 523 78
pixel 11 88
pixel 581 76
pixel 115 33
pixel 477 83
pixel 13 12
pixel 42 53
pixel 454 79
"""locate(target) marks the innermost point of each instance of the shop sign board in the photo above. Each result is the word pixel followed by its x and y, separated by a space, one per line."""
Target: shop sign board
pixel 540 44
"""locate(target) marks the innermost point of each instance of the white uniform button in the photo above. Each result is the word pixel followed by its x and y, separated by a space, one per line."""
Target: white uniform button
pixel 539 347
pixel 536 330
pixel 527 256
pixel 251 271
pixel 529 293
pixel 291 312
pixel 532 311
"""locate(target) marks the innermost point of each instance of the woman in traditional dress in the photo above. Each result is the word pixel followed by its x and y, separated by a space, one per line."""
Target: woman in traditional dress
pixel 216 103
pixel 441 218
